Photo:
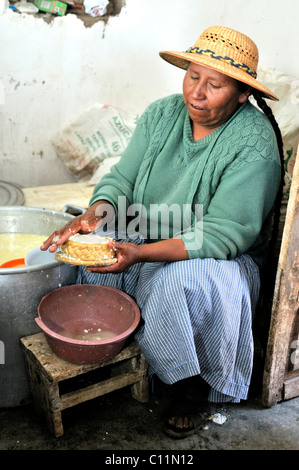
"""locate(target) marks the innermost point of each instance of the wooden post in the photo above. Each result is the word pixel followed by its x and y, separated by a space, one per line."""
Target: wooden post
pixel 281 378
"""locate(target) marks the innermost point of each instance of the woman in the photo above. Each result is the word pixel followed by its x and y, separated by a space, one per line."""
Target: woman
pixel 211 159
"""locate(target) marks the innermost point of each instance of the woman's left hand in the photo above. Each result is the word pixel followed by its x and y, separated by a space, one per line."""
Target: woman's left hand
pixel 167 251
pixel 127 254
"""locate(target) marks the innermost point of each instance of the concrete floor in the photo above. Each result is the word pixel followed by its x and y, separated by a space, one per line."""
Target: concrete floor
pixel 118 422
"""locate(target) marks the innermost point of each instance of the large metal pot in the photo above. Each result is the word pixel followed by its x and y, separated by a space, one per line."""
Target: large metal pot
pixel 21 290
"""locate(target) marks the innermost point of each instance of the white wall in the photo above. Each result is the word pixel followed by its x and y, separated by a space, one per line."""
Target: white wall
pixel 52 72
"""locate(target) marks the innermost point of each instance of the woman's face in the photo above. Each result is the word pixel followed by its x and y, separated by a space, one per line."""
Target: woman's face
pixel 210 97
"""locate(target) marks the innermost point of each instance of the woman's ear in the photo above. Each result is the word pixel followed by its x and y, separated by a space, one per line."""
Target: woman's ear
pixel 244 95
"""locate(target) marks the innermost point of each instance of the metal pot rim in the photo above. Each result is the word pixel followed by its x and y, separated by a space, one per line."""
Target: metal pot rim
pixel 29 269
pixel 37 267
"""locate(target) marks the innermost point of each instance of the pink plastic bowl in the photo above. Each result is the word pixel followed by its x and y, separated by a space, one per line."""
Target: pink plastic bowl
pixel 81 307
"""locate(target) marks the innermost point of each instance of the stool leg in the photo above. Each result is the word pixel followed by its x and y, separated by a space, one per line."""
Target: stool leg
pixel 46 399
pixel 53 416
pixel 140 389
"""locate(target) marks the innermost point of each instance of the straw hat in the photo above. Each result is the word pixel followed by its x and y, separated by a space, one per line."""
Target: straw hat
pixel 225 50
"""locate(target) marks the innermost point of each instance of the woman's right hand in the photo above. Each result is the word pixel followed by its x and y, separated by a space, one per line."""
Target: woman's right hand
pixel 84 223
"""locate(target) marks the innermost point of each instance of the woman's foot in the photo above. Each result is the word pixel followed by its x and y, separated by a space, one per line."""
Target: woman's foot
pixel 185 420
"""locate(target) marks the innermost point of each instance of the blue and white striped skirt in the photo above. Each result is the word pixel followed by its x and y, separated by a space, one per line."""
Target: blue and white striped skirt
pixel 197 319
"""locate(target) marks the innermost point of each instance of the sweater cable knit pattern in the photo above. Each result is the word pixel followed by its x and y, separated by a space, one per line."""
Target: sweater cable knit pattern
pixel 233 173
pixel 253 142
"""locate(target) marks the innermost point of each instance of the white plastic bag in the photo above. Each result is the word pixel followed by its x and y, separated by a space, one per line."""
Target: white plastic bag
pixel 100 133
pixel 96 7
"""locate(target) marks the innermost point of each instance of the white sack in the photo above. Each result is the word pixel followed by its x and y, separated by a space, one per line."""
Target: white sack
pixel 100 133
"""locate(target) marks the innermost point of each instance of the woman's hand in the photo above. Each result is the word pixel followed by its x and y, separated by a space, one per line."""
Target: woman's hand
pixel 85 223
pixel 127 254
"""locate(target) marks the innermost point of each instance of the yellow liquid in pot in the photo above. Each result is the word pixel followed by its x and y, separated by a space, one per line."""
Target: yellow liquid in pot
pixel 17 245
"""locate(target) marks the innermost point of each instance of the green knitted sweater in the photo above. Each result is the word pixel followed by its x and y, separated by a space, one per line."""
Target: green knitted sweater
pixel 229 179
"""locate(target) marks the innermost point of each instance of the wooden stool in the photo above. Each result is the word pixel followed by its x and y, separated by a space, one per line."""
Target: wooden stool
pixel 47 372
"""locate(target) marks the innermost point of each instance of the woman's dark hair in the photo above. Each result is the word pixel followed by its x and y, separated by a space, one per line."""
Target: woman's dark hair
pixel 268 111
pixel 277 206
pixel 272 255
pixel 269 274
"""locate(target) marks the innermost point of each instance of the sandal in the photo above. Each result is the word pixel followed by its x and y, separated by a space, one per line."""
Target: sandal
pixel 195 415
